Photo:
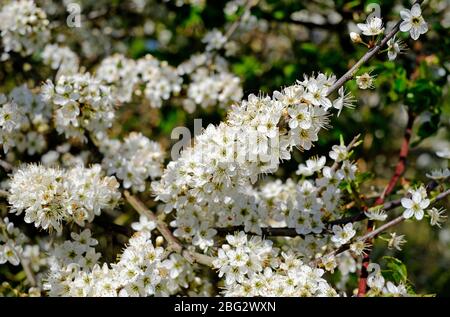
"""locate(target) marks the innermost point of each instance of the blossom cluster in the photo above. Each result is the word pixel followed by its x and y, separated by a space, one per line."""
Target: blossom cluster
pixel 60 58
pixel 12 240
pixel 304 205
pixel 24 27
pixel 209 82
pixel 126 77
pixel 80 102
pixel 24 121
pixel 49 196
pixel 142 270
pixel 253 267
pixel 133 161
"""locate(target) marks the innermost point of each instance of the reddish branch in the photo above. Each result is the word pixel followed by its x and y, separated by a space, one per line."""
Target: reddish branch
pixel 399 170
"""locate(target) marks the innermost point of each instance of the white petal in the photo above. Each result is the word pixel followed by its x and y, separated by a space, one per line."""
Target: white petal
pixel 415 33
pixel 293 124
pixel 362 27
pixel 419 215
pixel 423 28
pixel 408 213
pixel 405 14
pixel 424 204
pixel 405 26
pixel 407 203
pixel 392 55
pixel 416 11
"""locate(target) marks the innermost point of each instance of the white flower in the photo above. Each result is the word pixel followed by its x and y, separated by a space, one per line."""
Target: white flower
pixel 299 117
pixel 377 214
pixel 413 22
pixel 396 241
pixel 439 174
pixel 134 160
pixel 329 263
pixel 359 247
pixel 344 100
pixel 416 204
pixel 84 238
pixel 365 81
pixel 373 26
pixel 9 254
pixel 393 290
pixel 343 234
pixel 80 102
pixel 436 216
pixel 313 165
pixel 144 224
pixel 338 153
pixel 214 40
pixel 395 47
pixel 60 58
pixel 23 27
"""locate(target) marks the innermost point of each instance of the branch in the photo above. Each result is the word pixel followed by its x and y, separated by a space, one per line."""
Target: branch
pixel 290 232
pixel 372 52
pixel 374 233
pixel 173 243
pixel 234 26
pixel 8 167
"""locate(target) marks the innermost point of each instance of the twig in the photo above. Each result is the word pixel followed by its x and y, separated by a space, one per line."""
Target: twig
pixel 372 52
pixel 235 24
pixel 173 243
pixel 4 193
pixel 6 165
pixel 28 272
pixel 374 233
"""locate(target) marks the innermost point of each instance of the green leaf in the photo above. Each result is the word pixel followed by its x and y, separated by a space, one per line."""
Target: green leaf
pixel 396 271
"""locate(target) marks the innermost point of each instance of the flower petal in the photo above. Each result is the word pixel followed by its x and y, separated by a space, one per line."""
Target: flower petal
pixel 405 14
pixel 408 213
pixel 407 203
pixel 405 26
pixel 416 11
pixel 419 214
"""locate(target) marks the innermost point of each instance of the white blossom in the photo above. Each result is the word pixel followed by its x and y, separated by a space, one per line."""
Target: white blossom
pixel 49 196
pixel 23 27
pixel 415 205
pixel 413 22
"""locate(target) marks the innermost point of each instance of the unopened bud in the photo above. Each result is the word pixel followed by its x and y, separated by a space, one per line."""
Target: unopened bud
pixel 159 241
pixel 356 38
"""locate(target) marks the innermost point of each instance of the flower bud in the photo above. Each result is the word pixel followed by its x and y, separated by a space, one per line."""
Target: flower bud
pixel 159 241
pixel 356 38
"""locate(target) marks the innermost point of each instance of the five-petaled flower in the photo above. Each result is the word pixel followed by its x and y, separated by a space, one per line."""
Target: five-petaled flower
pixel 413 22
pixel 415 205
